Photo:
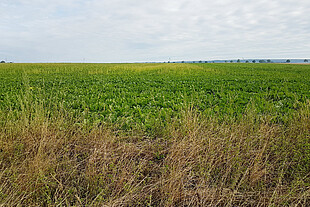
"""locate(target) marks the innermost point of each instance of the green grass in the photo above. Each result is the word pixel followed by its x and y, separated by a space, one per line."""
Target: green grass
pixel 154 134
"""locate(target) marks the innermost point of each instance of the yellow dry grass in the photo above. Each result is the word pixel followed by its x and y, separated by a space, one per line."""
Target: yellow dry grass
pixel 196 162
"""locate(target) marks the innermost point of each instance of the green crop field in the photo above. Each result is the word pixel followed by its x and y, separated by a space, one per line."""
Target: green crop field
pixel 148 94
pixel 155 134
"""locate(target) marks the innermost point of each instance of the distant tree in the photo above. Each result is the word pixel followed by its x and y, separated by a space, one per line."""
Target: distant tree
pixel 238 61
pixel 2 61
pixel 225 61
pixel 247 61
pixel 288 61
pixel 200 61
pixel 305 60
pixel 231 61
pixel 206 61
pixel 182 61
pixel 253 61
pixel 268 61
pixel 261 61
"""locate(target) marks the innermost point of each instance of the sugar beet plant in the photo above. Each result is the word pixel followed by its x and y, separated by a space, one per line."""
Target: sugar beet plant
pixel 145 95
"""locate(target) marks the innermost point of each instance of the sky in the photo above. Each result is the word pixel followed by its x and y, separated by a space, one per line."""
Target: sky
pixel 152 30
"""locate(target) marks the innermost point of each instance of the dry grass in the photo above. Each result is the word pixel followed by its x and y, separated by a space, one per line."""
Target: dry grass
pixel 196 162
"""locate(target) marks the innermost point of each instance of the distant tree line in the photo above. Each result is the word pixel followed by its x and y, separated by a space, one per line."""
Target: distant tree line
pixel 231 61
pixel 3 61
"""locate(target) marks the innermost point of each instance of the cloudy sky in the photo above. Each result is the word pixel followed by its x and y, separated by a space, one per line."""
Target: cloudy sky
pixel 152 30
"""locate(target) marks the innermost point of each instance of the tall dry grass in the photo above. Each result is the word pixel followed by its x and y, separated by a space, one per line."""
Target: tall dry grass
pixel 196 161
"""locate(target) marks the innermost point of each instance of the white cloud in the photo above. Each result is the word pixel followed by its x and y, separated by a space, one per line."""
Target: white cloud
pixel 139 30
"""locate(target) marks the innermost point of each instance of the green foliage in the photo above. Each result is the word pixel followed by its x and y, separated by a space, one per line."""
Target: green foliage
pixel 139 95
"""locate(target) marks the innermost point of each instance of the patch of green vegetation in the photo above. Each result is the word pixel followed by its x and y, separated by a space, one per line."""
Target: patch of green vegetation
pixel 141 95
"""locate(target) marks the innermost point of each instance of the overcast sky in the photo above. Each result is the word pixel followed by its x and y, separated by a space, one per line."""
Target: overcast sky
pixel 152 30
